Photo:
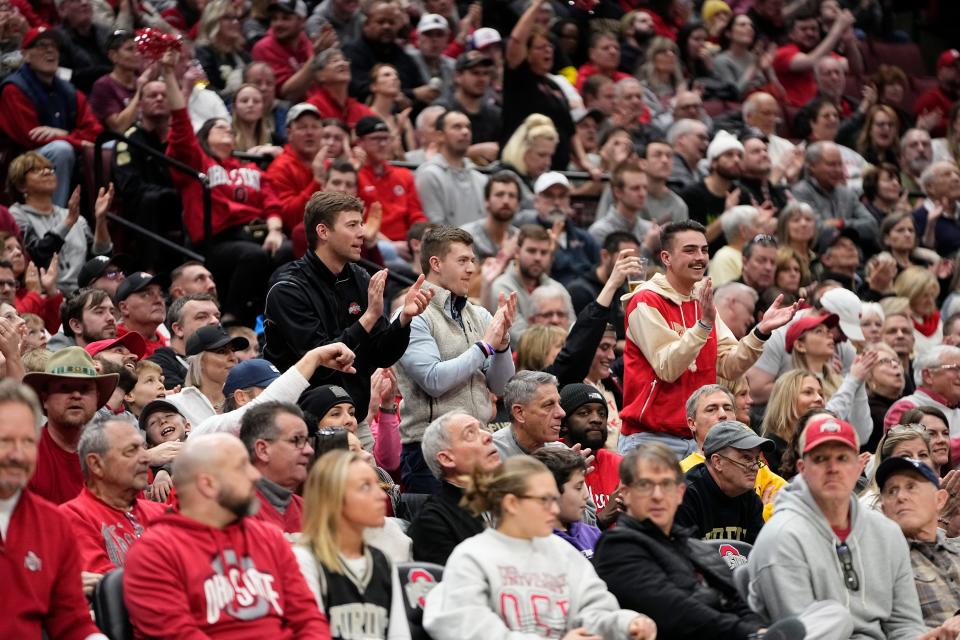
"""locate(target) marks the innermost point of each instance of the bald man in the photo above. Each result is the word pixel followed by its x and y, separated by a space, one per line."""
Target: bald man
pixel 210 571
pixel 762 111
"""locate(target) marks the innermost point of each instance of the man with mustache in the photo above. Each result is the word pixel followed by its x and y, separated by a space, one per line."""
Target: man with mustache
pixel 40 590
pixel 87 317
pixel 676 343
pixel 210 570
pixel 107 517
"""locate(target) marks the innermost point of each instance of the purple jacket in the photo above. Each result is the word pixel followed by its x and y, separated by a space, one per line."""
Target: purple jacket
pixel 582 536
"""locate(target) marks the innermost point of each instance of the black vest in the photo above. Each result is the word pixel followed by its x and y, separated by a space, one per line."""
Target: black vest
pixel 56 103
pixel 358 607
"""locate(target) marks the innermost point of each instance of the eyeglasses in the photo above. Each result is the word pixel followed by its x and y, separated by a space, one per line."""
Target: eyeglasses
pixel 553 314
pixel 890 361
pixel 298 441
pixel 545 501
pixel 755 465
pixel 850 577
pixel 43 171
pixel 8 283
pixel 647 487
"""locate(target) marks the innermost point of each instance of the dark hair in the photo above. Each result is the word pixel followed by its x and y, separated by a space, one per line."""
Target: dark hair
pixel 532 232
pixel 504 177
pixel 340 166
pixel 871 178
pixel 727 34
pixel 615 238
pixel 596 36
pixel 692 68
pixel 324 208
pixel 612 131
pixel 627 166
pixel 436 241
pixel 807 13
pixel 260 423
pixel 752 133
pixel 915 415
pixel 441 120
pixel 656 454
pixel 561 462
pixel 329 439
pixel 591 86
pixel 671 229
pixel 6 264
pixel 335 122
pixel 175 310
pixel 417 229
pixel 118 38
pixel 72 308
pixel 204 133
pixel 643 148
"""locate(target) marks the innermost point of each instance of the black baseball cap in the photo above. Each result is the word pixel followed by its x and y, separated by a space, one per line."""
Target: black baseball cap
pixel 213 337
pixel 371 124
pixel 472 59
pixel 890 466
pixel 97 266
pixel 831 237
pixel 152 407
pixel 137 282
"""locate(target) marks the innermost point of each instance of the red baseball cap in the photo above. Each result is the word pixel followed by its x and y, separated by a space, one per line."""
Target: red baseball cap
pixel 37 33
pixel 948 57
pixel 132 341
pixel 828 429
pixel 801 325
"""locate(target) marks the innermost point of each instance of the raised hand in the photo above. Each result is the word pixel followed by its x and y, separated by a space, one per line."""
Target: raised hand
pixel 371 227
pixel 708 311
pixel 31 278
pixel 336 356
pixel 415 302
pixel 48 276
pixel 777 316
pixel 73 208
pixel 104 200
pixel 627 262
pixel 375 295
pixel 863 364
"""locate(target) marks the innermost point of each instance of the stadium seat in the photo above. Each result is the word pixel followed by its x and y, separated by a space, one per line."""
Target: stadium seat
pixel 109 611
pixel 416 580
pixel 906 55
pixel 734 552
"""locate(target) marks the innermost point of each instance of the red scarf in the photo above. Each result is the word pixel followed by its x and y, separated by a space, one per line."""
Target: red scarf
pixel 929 325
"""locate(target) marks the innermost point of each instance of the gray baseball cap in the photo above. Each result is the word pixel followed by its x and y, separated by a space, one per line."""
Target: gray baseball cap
pixel 730 433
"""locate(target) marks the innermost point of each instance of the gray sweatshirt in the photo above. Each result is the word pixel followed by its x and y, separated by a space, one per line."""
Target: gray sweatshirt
pixel 794 566
pixel 496 587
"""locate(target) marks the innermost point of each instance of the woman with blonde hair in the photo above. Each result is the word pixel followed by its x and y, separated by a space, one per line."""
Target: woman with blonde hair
pixel 341 498
pixel 884 383
pixel 254 127
pixel 793 394
pixel 792 273
pixel 919 285
pixel 475 600
pixel 539 346
pixel 662 74
pixel 220 47
pixel 529 152
pixel 902 441
pixel 797 229
pixel 879 139
pixel 936 424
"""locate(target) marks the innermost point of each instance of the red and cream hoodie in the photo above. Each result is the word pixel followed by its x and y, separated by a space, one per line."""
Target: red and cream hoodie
pixel 186 580
pixel 668 356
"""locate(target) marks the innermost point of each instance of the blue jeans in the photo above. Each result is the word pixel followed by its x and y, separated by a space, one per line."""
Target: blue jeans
pixel 680 446
pixel 61 154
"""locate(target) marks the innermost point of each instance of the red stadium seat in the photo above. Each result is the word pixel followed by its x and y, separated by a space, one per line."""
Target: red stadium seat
pixel 906 55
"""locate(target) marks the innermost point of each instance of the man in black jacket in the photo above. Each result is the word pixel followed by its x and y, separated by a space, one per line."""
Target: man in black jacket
pixel 324 297
pixel 454 446
pixel 653 566
pixel 720 501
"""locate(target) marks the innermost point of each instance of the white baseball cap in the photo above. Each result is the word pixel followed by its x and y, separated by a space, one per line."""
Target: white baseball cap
pixel 484 37
pixel 432 22
pixel 549 179
pixel 847 305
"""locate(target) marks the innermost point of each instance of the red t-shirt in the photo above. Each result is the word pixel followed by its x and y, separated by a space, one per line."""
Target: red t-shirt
pixel 589 69
pixel 800 86
pixel 104 534
pixel 934 100
pixel 58 477
pixel 154 342
pixel 396 193
pixel 284 62
pixel 605 477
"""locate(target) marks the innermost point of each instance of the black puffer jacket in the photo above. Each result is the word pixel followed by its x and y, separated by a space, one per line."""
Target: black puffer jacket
pixel 680 582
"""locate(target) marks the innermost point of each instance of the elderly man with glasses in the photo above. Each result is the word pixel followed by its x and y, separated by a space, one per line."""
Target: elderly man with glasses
pixel 822 547
pixel 720 501
pixel 937 374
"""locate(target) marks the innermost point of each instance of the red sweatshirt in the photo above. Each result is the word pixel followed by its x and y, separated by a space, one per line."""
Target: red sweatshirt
pixel 396 193
pixel 589 69
pixel 40 584
pixel 292 519
pixel 185 580
pixel 47 307
pixel 18 117
pixel 284 61
pixel 104 534
pixel 240 191
pixel 605 477
pixel 350 113
pixel 293 184
pixel 58 477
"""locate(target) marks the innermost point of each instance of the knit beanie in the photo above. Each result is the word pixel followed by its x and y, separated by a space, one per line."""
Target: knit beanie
pixel 575 395
pixel 712 8
pixel 722 142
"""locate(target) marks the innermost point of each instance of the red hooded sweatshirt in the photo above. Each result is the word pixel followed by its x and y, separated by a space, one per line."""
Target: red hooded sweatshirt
pixel 185 580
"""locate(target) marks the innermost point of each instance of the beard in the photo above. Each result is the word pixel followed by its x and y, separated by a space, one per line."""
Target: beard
pixel 240 506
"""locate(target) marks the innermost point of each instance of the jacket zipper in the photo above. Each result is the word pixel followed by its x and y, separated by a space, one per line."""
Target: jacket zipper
pixel 646 403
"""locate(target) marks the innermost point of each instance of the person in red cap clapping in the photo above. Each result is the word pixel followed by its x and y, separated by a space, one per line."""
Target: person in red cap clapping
pixel 942 98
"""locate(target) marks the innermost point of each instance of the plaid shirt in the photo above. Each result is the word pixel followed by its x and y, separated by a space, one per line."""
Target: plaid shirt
pixel 936 572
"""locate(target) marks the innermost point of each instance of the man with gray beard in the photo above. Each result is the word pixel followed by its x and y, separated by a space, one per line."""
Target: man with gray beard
pixel 916 154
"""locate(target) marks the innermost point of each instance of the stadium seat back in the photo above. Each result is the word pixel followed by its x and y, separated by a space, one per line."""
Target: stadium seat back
pixel 733 552
pixel 417 579
pixel 109 609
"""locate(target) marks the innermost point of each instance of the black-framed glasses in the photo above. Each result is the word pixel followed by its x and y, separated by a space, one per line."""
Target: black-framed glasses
pixel 850 577
pixel 755 465
pixel 298 441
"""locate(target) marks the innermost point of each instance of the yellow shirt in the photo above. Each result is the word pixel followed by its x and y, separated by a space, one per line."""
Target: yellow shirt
pixel 765 479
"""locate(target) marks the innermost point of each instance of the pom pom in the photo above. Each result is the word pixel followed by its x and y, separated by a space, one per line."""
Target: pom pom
pixel 153 43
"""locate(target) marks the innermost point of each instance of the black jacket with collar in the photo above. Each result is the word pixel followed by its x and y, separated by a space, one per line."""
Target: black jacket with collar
pixel 308 306
pixel 713 514
pixel 441 525
pixel 679 581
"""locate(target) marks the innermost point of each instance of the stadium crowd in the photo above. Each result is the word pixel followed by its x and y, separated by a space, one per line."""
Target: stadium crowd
pixel 400 319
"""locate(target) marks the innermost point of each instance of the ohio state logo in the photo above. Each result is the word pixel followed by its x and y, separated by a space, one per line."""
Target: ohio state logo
pixel 731 556
pixel 353 309
pixel 420 582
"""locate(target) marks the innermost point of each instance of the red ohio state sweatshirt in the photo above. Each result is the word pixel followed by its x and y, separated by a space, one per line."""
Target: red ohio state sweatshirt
pixel 186 580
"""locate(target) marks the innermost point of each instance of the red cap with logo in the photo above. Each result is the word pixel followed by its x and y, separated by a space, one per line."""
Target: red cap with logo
pixel 948 57
pixel 829 429
pixel 132 341
pixel 36 33
pixel 803 324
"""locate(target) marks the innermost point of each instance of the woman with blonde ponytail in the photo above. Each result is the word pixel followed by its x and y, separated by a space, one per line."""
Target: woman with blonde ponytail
pixel 529 152
pixel 517 578
pixel 354 584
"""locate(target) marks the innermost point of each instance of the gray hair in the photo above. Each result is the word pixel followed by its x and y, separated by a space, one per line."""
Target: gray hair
pixel 421 122
pixel 817 71
pixel 621 85
pixel 730 290
pixel 522 387
pixel 94 439
pixel 322 59
pixel 436 438
pixel 931 173
pixel 909 133
pixel 931 359
pixel 736 217
pixel 814 152
pixel 14 392
pixel 706 389
pixel 683 127
pixel 750 104
pixel 548 292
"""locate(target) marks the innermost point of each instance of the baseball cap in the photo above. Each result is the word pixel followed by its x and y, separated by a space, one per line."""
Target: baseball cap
pixel 894 465
pixel 731 433
pixel 301 109
pixel 828 429
pixel 579 113
pixel 948 57
pixel 118 38
pixel 152 407
pixel 250 373
pixel 213 337
pixel 132 341
pixel 432 22
pixel 472 59
pixel 370 124
pixel 484 37
pixel 34 35
pixel 833 236
pixel 294 7
pixel 549 179
pixel 97 266
pixel 846 305
pixel 801 325
pixel 575 395
pixel 136 282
